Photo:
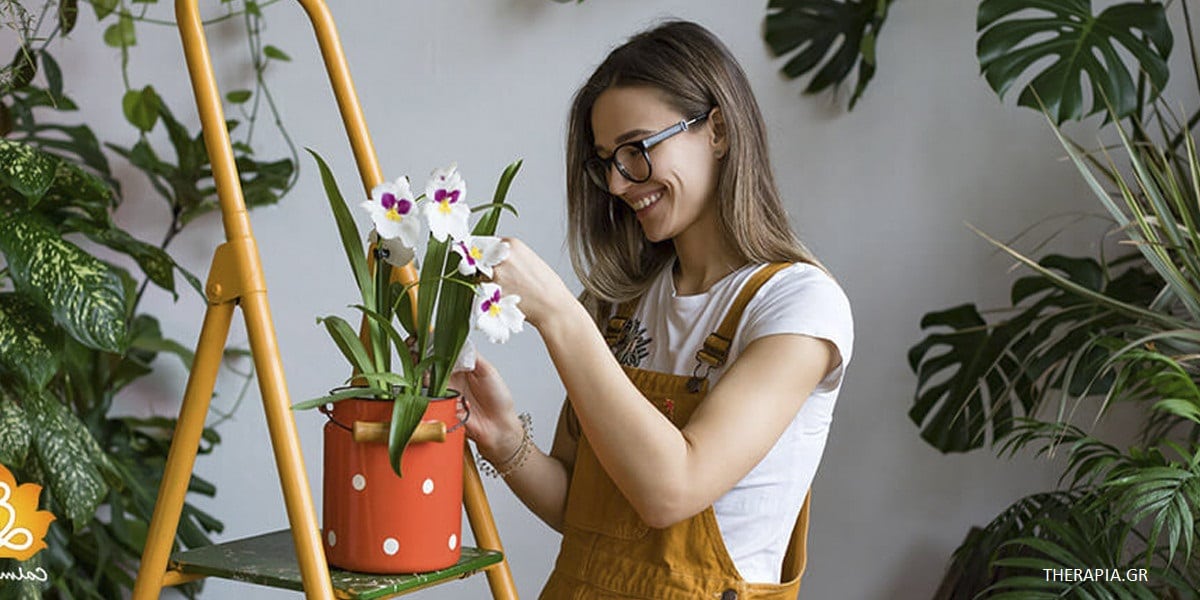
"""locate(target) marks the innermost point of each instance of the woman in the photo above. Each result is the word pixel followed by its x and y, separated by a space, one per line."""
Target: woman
pixel 695 420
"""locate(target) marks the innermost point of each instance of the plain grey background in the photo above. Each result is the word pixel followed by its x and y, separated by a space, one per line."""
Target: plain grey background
pixel 882 195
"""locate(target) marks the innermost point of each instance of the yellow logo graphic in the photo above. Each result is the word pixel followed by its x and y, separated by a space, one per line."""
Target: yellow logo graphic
pixel 22 525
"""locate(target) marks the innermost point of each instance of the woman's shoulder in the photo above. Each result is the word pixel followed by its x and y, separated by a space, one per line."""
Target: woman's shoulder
pixel 802 298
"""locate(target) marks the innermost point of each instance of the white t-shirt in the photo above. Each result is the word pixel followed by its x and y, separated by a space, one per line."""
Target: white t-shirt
pixel 801 299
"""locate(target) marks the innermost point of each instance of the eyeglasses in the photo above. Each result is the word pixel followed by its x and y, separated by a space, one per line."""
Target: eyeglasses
pixel 633 158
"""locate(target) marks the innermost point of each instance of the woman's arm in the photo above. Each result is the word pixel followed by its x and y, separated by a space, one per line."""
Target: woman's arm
pixel 666 473
pixel 541 482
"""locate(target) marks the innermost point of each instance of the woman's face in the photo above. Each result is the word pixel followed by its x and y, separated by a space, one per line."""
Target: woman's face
pixel 683 175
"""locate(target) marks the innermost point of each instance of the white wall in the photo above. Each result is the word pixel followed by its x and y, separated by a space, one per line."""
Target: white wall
pixel 881 194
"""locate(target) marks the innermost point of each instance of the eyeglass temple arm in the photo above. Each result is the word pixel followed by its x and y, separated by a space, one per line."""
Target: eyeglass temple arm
pixel 682 125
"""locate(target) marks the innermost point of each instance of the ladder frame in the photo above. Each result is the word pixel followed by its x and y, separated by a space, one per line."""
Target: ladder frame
pixel 236 279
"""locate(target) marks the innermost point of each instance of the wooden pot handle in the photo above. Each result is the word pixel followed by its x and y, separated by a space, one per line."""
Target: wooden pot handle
pixel 371 431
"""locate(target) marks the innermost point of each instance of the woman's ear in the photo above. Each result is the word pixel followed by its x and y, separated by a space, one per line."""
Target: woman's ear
pixel 718 133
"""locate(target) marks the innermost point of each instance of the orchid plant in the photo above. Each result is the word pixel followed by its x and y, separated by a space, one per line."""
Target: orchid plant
pixel 434 323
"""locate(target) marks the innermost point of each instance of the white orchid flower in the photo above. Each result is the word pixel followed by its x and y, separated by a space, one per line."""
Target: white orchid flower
pixel 479 254
pixel 446 206
pixel 391 207
pixel 394 253
pixel 497 315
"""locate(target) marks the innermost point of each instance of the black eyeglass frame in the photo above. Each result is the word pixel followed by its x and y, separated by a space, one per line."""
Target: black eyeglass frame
pixel 644 145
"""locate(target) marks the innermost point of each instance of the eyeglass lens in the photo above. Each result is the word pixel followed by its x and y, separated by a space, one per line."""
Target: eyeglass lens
pixel 630 162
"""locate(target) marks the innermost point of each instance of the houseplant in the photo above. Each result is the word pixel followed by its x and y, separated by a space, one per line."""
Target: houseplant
pixel 397 508
pixel 74 332
pixel 1082 333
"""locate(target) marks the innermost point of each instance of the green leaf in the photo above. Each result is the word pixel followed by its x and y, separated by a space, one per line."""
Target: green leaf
pixel 72 461
pixel 490 220
pixel 6 120
pixel 834 35
pixel 85 296
pixel 1012 41
pixel 68 15
pixel 31 342
pixel 351 241
pixel 275 53
pixel 121 34
pixel 54 80
pixel 973 379
pixel 104 8
pixel 23 69
pixel 77 194
pixel 340 395
pixel 407 411
pixel 27 170
pixel 16 431
pixel 348 343
pixel 141 107
pixel 158 266
pixel 238 96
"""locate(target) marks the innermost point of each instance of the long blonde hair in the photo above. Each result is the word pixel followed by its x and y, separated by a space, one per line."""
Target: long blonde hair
pixel 694 72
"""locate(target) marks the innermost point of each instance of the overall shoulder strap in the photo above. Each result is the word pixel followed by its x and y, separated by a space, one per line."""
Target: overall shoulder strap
pixel 619 319
pixel 716 346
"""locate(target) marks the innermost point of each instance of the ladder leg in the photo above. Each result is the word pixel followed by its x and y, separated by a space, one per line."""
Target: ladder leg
pixel 285 442
pixel 181 457
pixel 483 525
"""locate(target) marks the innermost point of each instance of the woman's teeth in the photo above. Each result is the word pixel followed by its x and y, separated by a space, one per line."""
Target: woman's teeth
pixel 647 201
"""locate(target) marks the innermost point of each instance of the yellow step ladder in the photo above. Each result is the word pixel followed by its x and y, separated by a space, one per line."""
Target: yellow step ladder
pixel 292 558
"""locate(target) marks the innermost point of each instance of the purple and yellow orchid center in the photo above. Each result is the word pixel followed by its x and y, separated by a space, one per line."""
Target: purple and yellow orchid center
pixel 491 306
pixel 471 254
pixel 444 196
pixel 396 208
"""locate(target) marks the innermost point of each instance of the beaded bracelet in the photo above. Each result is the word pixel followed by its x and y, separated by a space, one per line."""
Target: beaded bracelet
pixel 509 466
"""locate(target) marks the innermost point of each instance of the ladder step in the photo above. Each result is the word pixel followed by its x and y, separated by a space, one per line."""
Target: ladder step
pixel 270 559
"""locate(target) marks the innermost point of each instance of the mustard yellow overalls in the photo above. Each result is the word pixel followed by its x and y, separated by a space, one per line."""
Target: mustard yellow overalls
pixel 608 552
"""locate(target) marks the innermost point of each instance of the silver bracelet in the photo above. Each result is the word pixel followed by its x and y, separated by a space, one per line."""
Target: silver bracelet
pixel 515 461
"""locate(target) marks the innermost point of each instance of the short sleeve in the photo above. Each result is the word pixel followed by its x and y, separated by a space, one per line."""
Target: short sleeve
pixel 805 300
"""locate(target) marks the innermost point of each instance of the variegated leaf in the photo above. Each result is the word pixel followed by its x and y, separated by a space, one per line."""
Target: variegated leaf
pixel 25 169
pixel 27 588
pixel 85 296
pixel 30 340
pixel 71 460
pixel 16 432
pixel 154 262
pixel 75 191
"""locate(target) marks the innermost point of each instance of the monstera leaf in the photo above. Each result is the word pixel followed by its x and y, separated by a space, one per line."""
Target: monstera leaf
pixel 832 34
pixel 976 378
pixel 1080 42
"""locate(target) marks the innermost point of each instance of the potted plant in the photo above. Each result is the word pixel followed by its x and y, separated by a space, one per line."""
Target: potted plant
pixel 393 442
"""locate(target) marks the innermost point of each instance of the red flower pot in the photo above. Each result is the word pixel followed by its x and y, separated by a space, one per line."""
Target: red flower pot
pixel 377 522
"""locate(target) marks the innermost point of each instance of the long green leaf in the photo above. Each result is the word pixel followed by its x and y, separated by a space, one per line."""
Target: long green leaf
pixel 348 343
pixel 351 241
pixel 26 169
pixel 407 410
pixel 16 430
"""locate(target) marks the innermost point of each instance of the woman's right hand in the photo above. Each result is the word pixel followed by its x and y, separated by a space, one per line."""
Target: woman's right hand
pixel 493 424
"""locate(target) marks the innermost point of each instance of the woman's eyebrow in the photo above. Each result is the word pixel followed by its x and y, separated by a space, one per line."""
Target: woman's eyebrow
pixel 624 137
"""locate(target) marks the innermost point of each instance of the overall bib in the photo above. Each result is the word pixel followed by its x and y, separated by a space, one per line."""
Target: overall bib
pixel 609 553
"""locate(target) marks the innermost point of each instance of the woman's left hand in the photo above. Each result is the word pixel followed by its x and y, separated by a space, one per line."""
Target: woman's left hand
pixel 525 274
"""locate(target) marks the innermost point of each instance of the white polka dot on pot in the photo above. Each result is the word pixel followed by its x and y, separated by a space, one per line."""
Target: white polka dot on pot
pixel 332 538
pixel 391 546
pixel 453 541
pixel 427 487
pixel 358 481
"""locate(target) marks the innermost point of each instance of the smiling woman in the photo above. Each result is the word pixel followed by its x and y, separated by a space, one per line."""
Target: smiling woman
pixel 697 416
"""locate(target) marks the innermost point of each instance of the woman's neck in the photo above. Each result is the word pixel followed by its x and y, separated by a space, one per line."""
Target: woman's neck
pixel 703 258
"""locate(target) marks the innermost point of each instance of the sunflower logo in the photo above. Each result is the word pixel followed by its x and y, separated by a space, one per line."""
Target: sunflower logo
pixel 22 525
